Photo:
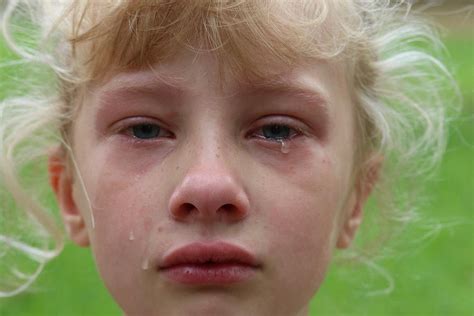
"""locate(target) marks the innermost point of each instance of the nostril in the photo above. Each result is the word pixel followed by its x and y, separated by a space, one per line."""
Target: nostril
pixel 229 208
pixel 233 212
pixel 188 207
pixel 183 211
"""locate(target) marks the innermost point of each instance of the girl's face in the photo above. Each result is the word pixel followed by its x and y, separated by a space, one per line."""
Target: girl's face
pixel 200 198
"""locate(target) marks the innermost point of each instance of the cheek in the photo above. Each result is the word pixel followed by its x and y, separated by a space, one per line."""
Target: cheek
pixel 301 205
pixel 123 205
pixel 125 223
pixel 304 193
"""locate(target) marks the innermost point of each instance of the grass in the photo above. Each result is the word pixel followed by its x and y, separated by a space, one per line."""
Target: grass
pixel 434 277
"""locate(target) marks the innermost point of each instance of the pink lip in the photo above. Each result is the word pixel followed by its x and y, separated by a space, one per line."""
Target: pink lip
pixel 216 263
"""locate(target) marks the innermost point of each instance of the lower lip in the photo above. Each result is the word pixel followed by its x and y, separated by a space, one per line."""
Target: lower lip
pixel 209 274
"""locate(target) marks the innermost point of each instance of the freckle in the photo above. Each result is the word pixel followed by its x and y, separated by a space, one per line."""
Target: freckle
pixel 160 229
pixel 177 167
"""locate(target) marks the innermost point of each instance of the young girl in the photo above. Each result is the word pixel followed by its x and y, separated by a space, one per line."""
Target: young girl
pixel 213 154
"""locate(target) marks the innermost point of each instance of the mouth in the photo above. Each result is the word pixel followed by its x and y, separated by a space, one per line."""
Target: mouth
pixel 216 263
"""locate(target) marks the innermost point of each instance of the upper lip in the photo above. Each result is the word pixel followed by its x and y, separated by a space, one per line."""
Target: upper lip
pixel 215 252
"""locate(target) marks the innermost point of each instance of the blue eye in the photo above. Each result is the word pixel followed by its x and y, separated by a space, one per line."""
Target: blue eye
pixel 146 131
pixel 276 131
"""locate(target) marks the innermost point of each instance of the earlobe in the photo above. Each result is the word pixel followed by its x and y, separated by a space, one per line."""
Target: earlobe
pixel 359 196
pixel 351 223
pixel 61 182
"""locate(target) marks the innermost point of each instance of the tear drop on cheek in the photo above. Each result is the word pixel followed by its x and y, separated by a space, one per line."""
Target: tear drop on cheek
pixel 284 147
pixel 146 264
pixel 131 237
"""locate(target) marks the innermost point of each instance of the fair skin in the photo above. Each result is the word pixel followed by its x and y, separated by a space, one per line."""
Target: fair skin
pixel 206 165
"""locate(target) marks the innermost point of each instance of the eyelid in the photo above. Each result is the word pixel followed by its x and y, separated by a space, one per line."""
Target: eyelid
pixel 292 123
pixel 124 126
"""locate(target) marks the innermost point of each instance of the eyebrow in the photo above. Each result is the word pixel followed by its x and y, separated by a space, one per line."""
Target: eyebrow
pixel 143 84
pixel 172 87
pixel 293 88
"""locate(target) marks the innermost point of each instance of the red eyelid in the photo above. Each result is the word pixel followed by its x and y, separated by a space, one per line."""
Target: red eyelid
pixel 124 125
pixel 292 123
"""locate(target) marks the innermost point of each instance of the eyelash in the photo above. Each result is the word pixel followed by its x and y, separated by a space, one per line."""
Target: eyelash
pixel 258 133
pixel 127 129
pixel 293 125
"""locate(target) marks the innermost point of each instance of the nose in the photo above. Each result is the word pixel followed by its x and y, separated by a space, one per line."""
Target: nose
pixel 209 192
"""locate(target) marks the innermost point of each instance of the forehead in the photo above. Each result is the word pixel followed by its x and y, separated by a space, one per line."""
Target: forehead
pixel 248 37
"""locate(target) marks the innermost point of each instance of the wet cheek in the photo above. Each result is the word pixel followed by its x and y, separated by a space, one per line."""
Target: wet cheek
pixel 118 182
pixel 121 236
pixel 122 207
pixel 126 195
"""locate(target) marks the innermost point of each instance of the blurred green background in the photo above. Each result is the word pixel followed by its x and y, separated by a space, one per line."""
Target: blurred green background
pixel 432 277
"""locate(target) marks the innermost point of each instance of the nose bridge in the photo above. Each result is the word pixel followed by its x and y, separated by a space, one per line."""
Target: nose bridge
pixel 209 149
pixel 210 188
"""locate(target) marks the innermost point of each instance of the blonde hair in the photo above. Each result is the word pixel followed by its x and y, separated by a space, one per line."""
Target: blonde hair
pixel 401 91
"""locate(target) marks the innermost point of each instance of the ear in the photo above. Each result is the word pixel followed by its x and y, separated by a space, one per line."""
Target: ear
pixel 61 181
pixel 364 186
